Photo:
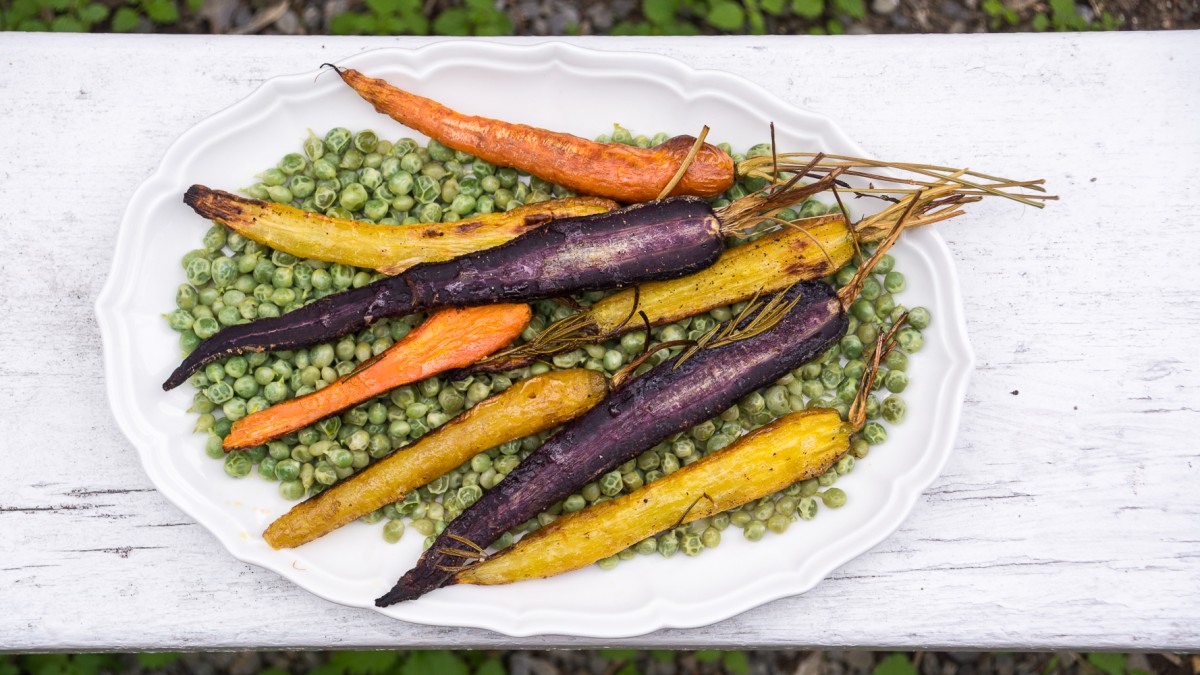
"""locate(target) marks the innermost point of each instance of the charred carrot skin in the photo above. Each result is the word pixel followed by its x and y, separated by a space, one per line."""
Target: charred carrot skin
pixel 646 242
pixel 528 407
pixel 617 171
pixel 795 447
pixel 667 399
pixel 452 338
pixel 389 249
pixel 761 267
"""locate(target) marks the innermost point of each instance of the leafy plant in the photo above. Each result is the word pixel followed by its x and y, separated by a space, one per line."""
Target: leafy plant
pixel 1062 15
pixel 158 659
pixel 384 17
pixel 407 17
pixel 999 14
pixel 477 17
pixel 81 16
pixel 896 664
pixel 52 15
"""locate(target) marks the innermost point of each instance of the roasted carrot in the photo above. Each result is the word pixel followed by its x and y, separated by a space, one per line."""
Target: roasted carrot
pixel 817 248
pixel 452 338
pixel 795 447
pixel 621 172
pixel 810 249
pixel 528 407
pixel 663 239
pixel 667 399
pixel 631 174
pixel 751 350
pixel 391 249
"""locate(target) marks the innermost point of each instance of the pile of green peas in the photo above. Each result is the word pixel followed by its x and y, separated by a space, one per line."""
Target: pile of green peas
pixel 231 280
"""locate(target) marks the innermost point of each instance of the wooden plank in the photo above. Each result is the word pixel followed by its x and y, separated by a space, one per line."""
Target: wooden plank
pixel 1067 518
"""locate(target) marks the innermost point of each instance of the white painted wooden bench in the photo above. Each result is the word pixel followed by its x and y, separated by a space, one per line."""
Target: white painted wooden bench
pixel 1068 517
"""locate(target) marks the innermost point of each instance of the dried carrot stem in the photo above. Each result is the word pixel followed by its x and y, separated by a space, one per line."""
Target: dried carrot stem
pixel 621 172
pixel 452 338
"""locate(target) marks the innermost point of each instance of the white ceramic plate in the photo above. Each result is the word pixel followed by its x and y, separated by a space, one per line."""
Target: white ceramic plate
pixel 563 88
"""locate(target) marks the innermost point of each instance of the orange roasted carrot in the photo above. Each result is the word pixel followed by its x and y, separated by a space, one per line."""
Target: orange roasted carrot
pixel 614 170
pixel 452 338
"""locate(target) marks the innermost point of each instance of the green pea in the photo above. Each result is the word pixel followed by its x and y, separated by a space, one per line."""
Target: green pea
pixel 199 271
pixel 918 317
pixel 871 289
pixel 873 406
pixel 219 393
pixel 611 484
pixel 366 141
pixel 463 204
pixel 237 465
pixel 832 375
pixel 668 545
pixel 234 409
pixel 338 456
pixel 341 275
pixel 893 409
pixel 411 164
pixel 896 381
pixel 358 440
pixel 314 148
pixel 691 545
pixel 325 474
pixel 893 282
pixel 754 530
pixel 845 465
pixel 393 530
pixel 353 197
pixel 469 494
pixel 180 320
pixel 370 178
pixel 806 507
pixel 910 340
pixel 834 498
pixel 429 213
pixel 682 448
pixel 352 159
pixel 852 346
pixel 245 386
pixel 897 360
pixel 885 305
pixel 324 197
pixel 874 433
pixel 290 490
pixel 863 310
pixel 213 447
pixel 451 401
pixel 280 194
pixel 229 316
pixel 337 140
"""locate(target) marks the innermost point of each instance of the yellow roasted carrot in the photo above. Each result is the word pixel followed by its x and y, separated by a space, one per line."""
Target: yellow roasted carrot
pixel 391 249
pixel 528 407
pixel 769 264
pixel 795 447
pixel 451 338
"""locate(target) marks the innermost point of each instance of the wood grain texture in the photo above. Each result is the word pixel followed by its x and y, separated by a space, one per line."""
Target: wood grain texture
pixel 1068 516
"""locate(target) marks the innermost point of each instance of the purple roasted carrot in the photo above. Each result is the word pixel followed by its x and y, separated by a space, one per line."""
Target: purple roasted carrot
pixel 734 359
pixel 663 401
pixel 646 242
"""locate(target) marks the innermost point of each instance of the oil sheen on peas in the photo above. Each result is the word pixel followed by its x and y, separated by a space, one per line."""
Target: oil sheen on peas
pixel 228 279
